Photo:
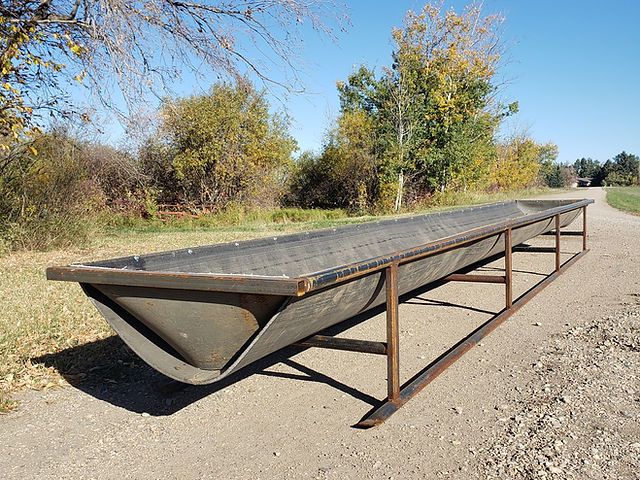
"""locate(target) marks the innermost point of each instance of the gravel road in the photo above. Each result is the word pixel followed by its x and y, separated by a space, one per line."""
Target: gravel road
pixel 552 393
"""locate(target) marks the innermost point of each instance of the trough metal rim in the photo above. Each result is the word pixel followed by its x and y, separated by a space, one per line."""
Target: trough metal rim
pixel 295 286
pixel 331 276
pixel 181 281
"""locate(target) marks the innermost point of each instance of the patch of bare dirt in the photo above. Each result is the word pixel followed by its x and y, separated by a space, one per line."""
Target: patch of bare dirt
pixel 579 418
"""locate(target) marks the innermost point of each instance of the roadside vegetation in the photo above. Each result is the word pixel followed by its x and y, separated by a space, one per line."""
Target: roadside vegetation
pixel 621 170
pixel 624 198
pixel 418 132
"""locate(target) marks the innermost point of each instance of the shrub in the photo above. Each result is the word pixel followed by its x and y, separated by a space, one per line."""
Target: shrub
pixel 47 199
pixel 222 148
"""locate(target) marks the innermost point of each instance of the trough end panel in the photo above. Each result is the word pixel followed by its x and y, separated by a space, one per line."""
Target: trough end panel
pixel 148 346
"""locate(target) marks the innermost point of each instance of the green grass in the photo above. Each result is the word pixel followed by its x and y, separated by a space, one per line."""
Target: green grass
pixel 242 219
pixel 229 219
pixel 39 318
pixel 624 198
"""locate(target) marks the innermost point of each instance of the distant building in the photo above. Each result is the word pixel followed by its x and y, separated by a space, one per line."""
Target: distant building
pixel 584 182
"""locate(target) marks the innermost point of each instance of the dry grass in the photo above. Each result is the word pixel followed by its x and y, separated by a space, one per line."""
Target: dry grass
pixel 39 318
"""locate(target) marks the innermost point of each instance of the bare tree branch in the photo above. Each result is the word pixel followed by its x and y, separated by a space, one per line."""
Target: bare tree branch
pixel 134 48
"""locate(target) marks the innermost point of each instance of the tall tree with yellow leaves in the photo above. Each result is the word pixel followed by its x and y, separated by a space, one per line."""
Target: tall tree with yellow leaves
pixel 434 107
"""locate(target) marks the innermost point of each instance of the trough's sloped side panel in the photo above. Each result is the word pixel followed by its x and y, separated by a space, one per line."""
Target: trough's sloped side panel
pixel 308 315
pixel 319 310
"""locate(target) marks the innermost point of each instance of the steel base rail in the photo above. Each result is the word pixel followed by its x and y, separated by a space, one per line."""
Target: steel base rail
pixel 350 345
pixel 398 395
pixel 564 234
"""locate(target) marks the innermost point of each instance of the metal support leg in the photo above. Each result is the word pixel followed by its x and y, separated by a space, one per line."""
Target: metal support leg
pixel 508 268
pixel 393 338
pixel 584 229
pixel 399 396
pixel 557 218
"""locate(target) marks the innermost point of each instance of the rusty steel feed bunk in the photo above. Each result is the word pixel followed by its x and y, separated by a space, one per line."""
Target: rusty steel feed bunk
pixel 398 395
pixel 199 315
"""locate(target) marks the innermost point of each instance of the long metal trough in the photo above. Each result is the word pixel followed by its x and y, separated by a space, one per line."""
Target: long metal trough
pixel 197 315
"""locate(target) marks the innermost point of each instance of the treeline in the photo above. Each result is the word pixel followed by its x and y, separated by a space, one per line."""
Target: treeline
pixel 227 150
pixel 621 170
pixel 427 123
pixel 207 153
pixel 424 126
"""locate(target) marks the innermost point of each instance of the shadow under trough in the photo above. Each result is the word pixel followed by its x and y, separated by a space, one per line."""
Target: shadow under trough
pixel 108 370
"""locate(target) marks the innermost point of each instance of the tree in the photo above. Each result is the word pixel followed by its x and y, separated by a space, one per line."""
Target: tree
pixel 225 146
pixel 118 176
pixel 548 154
pixel 472 153
pixel 569 176
pixel 345 174
pixel 623 169
pixel 628 166
pixel 390 107
pixel 586 167
pixel 554 178
pixel 47 200
pixel 433 109
pixel 135 48
pixel 451 59
pixel 519 162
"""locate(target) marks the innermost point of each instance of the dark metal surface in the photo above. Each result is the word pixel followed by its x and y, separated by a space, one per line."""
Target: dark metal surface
pixel 534 249
pixel 565 234
pixel 346 344
pixel 465 277
pixel 197 315
pixel 531 212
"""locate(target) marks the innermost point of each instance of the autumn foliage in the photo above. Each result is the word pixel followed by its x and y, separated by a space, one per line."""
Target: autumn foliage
pixel 220 148
pixel 425 126
pixel 428 123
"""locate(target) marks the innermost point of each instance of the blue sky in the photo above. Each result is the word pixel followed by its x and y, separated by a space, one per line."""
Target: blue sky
pixel 573 66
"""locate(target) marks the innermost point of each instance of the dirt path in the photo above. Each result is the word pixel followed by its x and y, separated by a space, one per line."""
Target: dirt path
pixel 554 392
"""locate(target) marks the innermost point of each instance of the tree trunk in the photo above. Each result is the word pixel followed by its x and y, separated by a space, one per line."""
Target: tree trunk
pixel 398 203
